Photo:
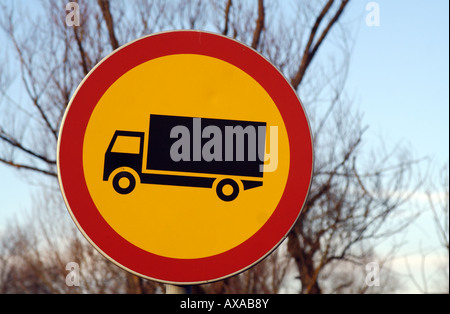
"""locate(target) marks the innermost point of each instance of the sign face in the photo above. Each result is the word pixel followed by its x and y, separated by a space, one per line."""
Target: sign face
pixel 185 157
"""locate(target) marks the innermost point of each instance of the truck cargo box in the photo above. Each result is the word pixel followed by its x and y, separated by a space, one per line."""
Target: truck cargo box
pixel 240 145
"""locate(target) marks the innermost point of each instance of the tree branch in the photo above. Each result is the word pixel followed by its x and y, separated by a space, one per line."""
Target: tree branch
pixel 22 166
pixel 227 17
pixel 310 49
pixel 105 8
pixel 13 142
pixel 83 54
pixel 259 24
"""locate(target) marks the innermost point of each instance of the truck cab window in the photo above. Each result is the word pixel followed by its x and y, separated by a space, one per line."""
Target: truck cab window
pixel 127 145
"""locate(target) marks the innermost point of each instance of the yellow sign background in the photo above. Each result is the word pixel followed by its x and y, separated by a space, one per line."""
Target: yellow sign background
pixel 173 221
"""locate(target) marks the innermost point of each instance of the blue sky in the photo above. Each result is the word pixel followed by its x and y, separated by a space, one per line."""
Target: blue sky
pixel 400 74
pixel 399 78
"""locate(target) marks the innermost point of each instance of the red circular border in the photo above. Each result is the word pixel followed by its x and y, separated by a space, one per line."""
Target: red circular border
pixel 133 258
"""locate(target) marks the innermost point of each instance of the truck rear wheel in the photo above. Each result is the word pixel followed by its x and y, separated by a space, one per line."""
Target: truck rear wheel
pixel 124 182
pixel 223 194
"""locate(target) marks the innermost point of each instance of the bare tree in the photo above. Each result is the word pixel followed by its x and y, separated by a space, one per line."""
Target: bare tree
pixel 353 194
pixel 432 276
pixel 438 196
pixel 36 257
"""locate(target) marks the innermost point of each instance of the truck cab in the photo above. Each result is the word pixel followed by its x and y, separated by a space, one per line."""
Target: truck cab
pixel 125 150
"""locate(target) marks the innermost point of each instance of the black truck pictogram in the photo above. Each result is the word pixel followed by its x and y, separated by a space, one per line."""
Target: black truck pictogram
pixel 237 148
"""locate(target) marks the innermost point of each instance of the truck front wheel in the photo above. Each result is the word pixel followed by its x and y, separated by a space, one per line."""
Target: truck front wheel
pixel 227 190
pixel 124 182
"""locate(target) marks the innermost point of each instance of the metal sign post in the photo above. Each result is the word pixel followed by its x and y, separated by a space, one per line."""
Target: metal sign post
pixel 174 289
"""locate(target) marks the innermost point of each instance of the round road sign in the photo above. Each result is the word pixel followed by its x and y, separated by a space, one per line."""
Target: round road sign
pixel 185 157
